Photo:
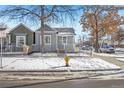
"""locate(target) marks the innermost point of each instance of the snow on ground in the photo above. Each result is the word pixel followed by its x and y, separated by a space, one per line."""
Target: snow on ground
pixel 110 55
pixel 119 52
pixel 118 55
pixel 55 54
pixel 119 49
pixel 55 63
pixel 44 54
pixel 121 59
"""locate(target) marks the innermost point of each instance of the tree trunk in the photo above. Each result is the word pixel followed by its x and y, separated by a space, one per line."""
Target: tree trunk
pixel 97 42
pixel 42 29
pixel 96 31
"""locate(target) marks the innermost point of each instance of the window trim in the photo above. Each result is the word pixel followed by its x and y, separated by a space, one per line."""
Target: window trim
pixel 17 40
pixel 45 39
pixel 63 40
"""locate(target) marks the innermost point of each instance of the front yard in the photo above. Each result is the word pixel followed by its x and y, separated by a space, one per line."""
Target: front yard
pixel 55 63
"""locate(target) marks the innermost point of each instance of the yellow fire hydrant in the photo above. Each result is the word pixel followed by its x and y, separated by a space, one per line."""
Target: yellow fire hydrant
pixel 66 58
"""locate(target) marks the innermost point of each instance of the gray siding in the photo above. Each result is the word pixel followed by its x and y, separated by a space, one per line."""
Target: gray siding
pixel 21 30
pixel 47 48
pixel 52 47
pixel 69 47
pixel 70 44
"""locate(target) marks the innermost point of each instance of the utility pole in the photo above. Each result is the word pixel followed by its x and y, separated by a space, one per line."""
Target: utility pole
pixel 2 35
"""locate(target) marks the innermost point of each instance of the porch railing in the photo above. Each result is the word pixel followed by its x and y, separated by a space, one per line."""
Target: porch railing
pixel 13 48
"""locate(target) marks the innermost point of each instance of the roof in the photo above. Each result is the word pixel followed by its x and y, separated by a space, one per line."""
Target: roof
pixel 65 30
pixel 46 28
pixel 60 31
pixel 19 26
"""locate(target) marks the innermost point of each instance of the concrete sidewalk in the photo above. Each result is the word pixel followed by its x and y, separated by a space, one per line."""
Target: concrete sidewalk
pixel 54 75
pixel 44 75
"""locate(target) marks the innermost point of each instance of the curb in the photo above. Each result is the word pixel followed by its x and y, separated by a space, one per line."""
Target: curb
pixel 58 70
pixel 61 80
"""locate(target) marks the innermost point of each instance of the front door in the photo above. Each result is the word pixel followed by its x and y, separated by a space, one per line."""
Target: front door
pixel 60 45
pixel 20 41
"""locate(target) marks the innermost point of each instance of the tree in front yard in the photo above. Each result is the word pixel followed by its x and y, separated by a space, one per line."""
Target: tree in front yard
pixel 100 20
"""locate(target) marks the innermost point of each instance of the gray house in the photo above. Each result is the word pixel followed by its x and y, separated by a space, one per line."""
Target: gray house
pixel 19 36
pixel 55 39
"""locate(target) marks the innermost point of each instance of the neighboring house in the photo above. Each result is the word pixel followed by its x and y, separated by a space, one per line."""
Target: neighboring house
pixel 55 39
pixel 19 36
pixel 3 42
pixel 3 36
pixel 106 41
pixel 118 39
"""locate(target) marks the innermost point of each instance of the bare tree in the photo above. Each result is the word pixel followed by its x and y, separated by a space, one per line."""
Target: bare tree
pixel 100 20
pixel 40 14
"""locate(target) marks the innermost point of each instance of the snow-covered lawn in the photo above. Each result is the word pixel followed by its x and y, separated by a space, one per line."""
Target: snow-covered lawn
pixel 55 54
pixel 55 63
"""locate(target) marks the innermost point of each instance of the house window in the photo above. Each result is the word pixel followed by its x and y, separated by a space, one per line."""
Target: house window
pixel 64 40
pixel 20 41
pixel 47 39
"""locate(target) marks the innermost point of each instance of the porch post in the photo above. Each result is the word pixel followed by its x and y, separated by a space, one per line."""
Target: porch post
pixel 73 42
pixel 2 35
pixel 57 42
pixel 1 54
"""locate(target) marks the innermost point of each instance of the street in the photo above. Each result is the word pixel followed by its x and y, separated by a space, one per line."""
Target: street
pixel 79 83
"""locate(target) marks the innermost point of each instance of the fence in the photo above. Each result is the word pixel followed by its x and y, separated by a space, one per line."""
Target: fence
pixel 12 48
pixel 89 52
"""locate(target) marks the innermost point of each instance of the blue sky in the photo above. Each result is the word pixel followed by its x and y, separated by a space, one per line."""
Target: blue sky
pixel 75 24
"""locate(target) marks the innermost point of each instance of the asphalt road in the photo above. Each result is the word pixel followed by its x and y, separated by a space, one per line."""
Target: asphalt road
pixel 82 84
pixel 79 83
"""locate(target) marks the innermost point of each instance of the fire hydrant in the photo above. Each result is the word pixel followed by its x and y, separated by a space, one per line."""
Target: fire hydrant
pixel 66 58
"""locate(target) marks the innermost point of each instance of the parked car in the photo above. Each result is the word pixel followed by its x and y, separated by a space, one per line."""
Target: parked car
pixel 107 49
pixel 87 47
